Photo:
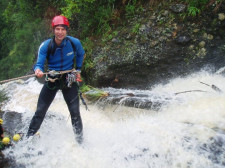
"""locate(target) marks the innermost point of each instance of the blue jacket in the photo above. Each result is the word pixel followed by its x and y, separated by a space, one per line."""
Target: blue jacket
pixel 63 58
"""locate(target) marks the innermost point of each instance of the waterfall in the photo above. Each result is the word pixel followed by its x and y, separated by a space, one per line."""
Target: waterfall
pixel 186 131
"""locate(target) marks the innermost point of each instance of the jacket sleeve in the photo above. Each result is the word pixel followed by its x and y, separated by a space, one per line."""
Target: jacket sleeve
pixel 42 54
pixel 79 53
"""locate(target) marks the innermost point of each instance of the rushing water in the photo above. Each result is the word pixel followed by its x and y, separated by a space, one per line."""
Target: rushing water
pixel 187 132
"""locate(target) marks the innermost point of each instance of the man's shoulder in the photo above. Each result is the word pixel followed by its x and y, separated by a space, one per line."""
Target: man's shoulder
pixel 73 39
pixel 45 43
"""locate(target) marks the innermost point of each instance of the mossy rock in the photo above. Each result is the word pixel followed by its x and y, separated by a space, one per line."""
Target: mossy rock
pixel 93 94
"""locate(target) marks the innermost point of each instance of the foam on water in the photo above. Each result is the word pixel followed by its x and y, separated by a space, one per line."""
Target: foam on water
pixel 186 133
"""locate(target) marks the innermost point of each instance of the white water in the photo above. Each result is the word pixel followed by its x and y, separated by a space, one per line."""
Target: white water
pixel 177 136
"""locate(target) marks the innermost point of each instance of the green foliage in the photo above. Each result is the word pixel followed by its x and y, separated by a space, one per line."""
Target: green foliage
pixel 94 19
pixel 136 27
pixel 107 36
pixel 88 45
pixel 85 88
pixel 70 9
pixel 94 15
pixel 130 8
pixel 195 7
pixel 92 94
pixel 22 52
pixel 23 28
pixel 193 11
pixel 24 24
pixel 4 32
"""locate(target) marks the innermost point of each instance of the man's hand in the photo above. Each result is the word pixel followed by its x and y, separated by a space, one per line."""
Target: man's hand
pixel 39 73
pixel 78 76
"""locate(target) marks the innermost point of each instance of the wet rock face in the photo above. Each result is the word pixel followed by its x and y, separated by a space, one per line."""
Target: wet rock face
pixel 143 74
pixel 12 122
pixel 178 8
pixel 163 47
pixel 183 40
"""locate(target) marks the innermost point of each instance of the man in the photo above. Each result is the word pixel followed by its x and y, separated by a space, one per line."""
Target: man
pixel 63 50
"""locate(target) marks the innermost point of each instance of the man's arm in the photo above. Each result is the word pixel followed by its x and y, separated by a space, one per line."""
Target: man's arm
pixel 42 54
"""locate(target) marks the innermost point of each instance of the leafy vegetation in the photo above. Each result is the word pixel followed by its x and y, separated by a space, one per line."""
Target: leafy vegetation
pixel 24 24
pixel 92 94
pixel 196 7
pixel 94 15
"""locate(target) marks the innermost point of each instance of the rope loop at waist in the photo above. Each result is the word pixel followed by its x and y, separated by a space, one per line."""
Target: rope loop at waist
pixel 53 75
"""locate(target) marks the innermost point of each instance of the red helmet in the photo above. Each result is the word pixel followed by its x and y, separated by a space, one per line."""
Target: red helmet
pixel 60 20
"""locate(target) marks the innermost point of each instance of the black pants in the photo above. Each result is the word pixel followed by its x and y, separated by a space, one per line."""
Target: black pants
pixel 45 99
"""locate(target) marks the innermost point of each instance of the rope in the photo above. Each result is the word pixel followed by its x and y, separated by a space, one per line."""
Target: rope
pixel 32 75
pixel 50 79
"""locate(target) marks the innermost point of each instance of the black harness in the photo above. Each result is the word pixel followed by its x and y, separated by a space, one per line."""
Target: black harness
pixel 51 50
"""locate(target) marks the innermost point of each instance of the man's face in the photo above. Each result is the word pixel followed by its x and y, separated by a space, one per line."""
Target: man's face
pixel 60 33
